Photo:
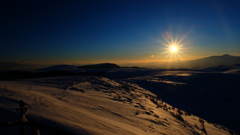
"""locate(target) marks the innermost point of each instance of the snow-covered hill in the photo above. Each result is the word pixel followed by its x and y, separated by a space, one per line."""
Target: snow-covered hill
pixel 90 105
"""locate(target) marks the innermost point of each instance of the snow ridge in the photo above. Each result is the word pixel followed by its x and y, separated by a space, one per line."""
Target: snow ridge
pixel 99 106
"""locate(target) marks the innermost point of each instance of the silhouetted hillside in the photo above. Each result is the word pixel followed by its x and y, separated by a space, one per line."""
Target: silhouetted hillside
pixel 28 74
pixel 212 61
pixel 99 66
pixel 60 67
pixel 7 65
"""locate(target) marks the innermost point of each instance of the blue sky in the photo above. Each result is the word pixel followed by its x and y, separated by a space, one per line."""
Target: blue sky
pixel 119 31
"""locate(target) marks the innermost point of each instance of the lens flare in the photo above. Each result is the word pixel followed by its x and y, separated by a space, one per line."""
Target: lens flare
pixel 173 49
pixel 174 46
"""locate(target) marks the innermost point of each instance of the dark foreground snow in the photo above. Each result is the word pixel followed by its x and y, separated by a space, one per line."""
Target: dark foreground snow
pixel 101 106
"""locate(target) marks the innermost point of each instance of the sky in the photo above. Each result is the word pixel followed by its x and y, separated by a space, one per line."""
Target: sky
pixel 117 31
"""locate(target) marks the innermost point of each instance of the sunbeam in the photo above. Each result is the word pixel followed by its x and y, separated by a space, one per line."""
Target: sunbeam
pixel 174 46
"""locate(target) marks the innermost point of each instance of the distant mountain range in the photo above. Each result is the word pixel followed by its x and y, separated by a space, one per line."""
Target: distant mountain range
pixel 9 65
pixel 211 61
pixel 100 66
pixel 14 65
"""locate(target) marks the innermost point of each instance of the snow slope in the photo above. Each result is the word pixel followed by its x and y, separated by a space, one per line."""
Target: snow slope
pixel 90 105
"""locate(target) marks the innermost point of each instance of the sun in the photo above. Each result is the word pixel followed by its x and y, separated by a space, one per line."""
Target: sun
pixel 174 46
pixel 173 49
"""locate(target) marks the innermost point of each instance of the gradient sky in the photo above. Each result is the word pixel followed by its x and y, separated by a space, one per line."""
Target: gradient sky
pixel 119 31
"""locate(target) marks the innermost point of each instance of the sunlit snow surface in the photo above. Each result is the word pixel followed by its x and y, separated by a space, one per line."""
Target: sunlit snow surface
pixel 98 106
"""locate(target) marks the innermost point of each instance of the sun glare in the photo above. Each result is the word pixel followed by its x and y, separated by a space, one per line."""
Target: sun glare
pixel 174 46
pixel 173 49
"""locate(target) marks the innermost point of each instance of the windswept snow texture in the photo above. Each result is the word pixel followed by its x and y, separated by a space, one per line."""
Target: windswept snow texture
pixel 213 96
pixel 93 105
